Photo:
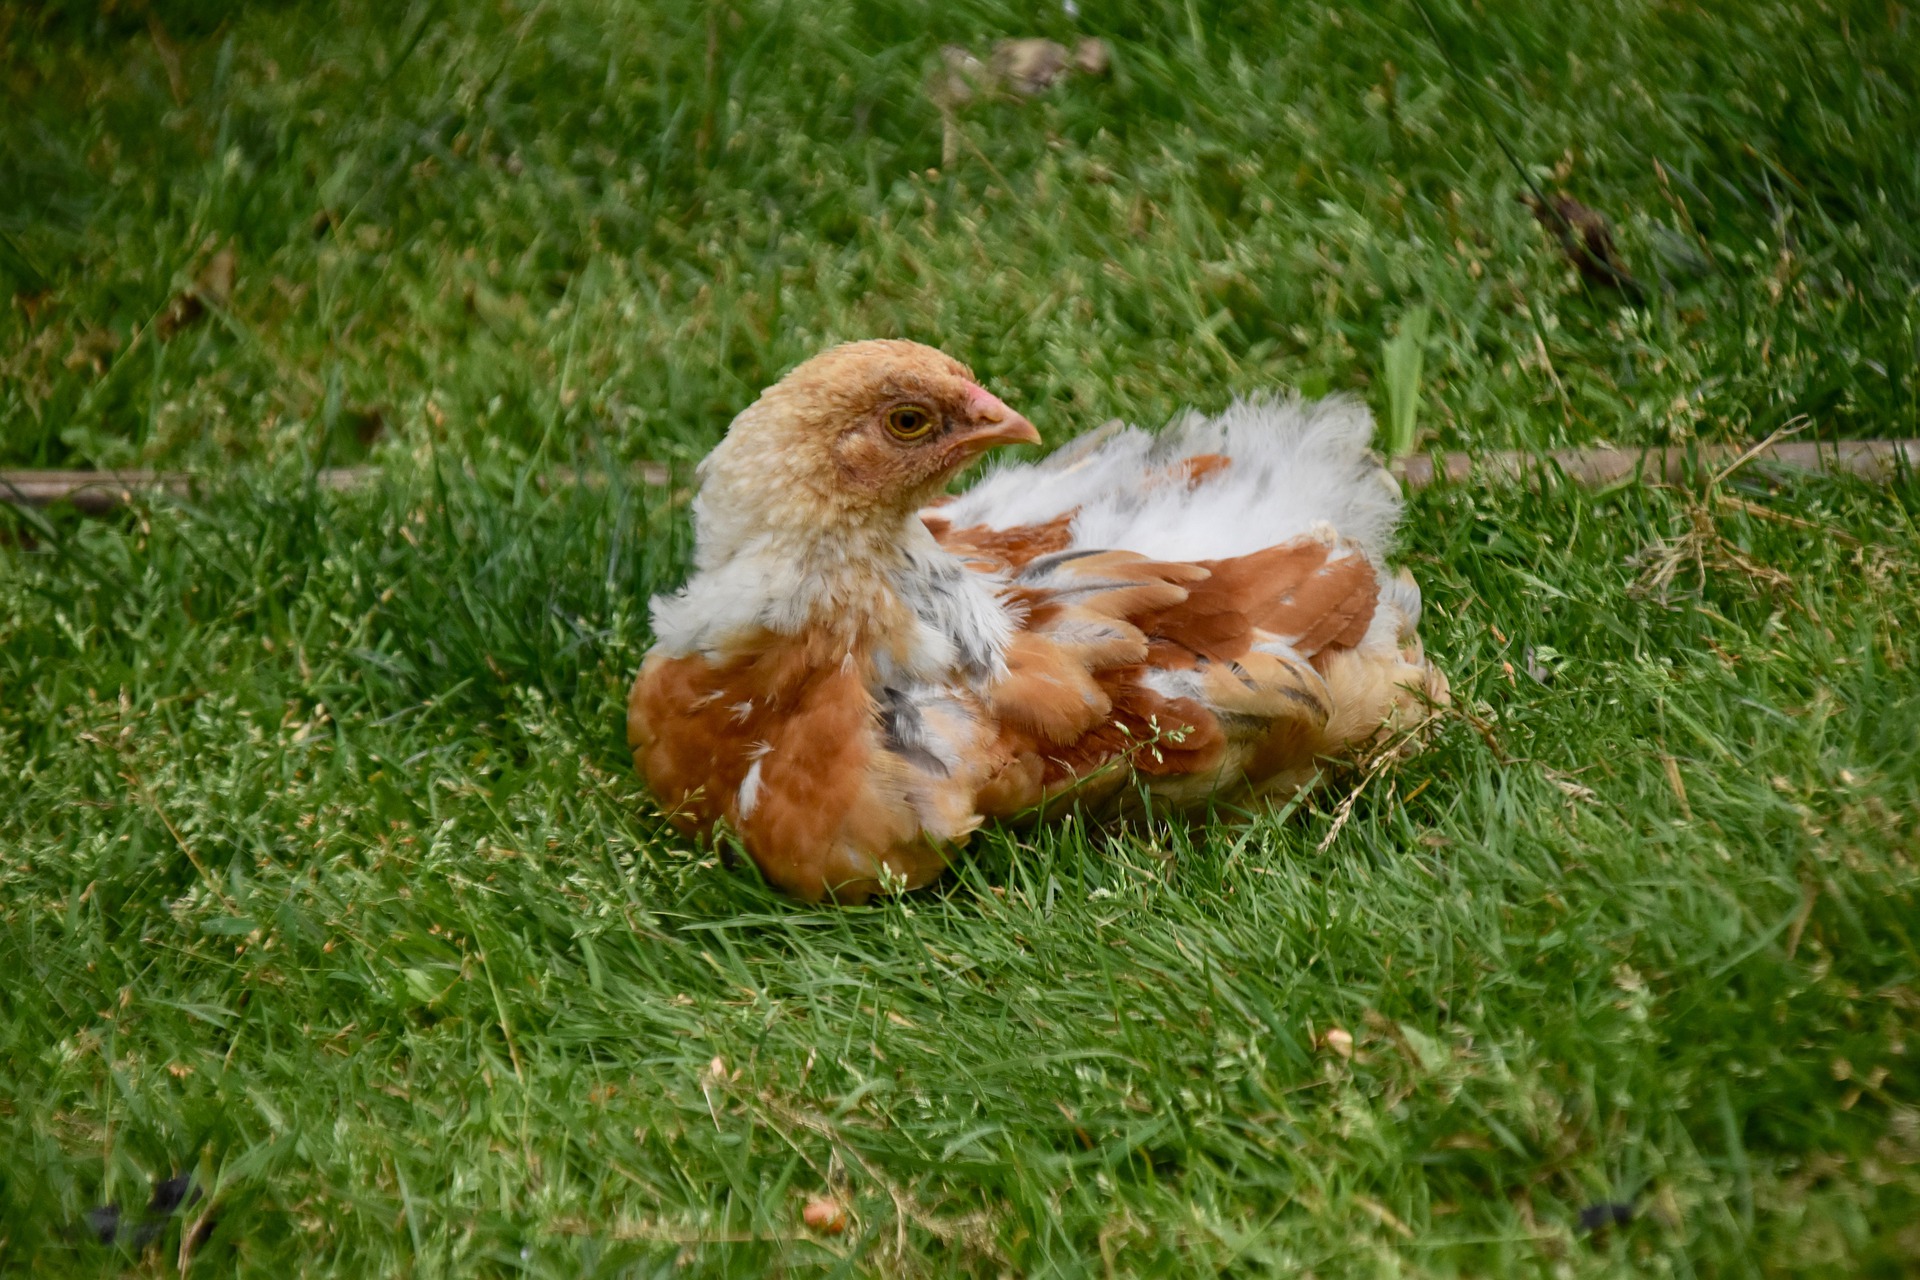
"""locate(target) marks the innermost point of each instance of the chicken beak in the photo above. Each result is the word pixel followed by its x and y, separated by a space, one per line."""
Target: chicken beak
pixel 1014 429
pixel 992 424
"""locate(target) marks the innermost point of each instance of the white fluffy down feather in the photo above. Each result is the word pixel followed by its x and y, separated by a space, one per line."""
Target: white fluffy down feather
pixel 1296 465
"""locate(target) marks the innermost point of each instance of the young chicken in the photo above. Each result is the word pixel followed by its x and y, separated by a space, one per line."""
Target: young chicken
pixel 861 671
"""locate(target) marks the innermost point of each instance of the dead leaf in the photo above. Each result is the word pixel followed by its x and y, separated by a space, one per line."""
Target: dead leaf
pixel 1386 1216
pixel 961 76
pixel 1029 67
pixel 33 302
pixel 215 281
pixel 1464 1142
pixel 1587 239
pixel 94 350
pixel 1677 784
pixel 169 54
pixel 1569 788
pixel 213 287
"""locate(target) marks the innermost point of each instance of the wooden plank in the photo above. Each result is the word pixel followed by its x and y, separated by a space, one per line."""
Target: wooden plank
pixel 1877 460
pixel 98 491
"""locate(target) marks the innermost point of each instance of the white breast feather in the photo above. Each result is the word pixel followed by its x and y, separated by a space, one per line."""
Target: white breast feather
pixel 775 582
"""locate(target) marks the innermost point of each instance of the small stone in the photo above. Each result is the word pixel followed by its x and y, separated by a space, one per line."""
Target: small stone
pixel 825 1215
pixel 1092 57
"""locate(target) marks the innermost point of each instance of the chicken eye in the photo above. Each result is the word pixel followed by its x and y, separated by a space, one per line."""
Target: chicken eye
pixel 909 422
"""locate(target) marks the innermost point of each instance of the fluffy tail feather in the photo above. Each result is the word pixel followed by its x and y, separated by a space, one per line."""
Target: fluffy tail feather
pixel 1265 471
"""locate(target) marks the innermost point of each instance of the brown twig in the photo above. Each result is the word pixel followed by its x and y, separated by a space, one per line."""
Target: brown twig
pixel 153 802
pixel 1371 767
pixel 1793 428
pixel 1780 517
pixel 1703 544
pixel 1487 735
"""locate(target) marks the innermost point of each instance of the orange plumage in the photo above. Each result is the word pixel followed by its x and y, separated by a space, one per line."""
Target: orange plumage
pixel 861 670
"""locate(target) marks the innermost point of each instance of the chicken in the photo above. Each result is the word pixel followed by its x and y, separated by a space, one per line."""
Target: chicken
pixel 861 670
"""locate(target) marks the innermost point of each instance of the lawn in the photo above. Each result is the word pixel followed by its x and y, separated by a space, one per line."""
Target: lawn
pixel 326 885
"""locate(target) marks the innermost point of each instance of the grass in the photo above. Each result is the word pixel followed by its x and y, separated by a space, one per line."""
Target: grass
pixel 323 875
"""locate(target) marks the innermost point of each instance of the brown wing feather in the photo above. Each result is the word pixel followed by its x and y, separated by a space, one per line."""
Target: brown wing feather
pixel 1298 590
pixel 1003 548
pixel 1048 693
pixel 1190 676
pixel 1070 706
